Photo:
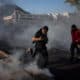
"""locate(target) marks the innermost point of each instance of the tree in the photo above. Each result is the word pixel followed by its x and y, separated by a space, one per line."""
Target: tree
pixel 75 3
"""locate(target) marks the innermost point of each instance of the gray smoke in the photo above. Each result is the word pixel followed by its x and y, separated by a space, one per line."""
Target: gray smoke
pixel 13 69
pixel 3 2
pixel 59 31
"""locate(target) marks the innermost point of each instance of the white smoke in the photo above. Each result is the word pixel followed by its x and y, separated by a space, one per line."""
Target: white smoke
pixel 12 68
pixel 34 69
pixel 59 31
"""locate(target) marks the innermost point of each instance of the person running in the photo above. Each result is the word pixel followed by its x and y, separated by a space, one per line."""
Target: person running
pixel 40 40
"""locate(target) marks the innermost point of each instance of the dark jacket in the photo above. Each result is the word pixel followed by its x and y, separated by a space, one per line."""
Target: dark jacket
pixel 41 44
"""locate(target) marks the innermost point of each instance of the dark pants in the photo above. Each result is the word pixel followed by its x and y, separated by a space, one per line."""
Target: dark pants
pixel 42 51
pixel 74 48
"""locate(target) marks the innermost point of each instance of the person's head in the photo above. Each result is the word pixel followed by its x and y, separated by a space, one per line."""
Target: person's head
pixel 44 29
pixel 73 27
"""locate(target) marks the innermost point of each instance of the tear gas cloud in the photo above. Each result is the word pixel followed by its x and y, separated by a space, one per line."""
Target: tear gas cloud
pixel 17 35
pixel 12 68
pixel 3 2
pixel 59 31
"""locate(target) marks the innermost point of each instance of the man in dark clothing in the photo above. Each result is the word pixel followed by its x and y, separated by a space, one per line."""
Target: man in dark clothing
pixel 40 39
pixel 75 33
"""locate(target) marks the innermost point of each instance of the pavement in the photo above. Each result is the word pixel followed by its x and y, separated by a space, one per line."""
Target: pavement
pixel 62 67
pixel 66 72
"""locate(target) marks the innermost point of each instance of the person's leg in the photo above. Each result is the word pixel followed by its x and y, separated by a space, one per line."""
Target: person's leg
pixel 35 52
pixel 78 49
pixel 72 50
pixel 45 55
pixel 46 59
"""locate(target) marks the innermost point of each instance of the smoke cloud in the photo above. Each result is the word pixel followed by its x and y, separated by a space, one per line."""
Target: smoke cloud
pixel 59 30
pixel 2 2
pixel 13 69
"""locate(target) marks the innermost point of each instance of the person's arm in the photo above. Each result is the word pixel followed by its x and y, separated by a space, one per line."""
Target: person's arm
pixel 36 39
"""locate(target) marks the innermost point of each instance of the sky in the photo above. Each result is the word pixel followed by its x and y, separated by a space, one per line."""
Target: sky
pixel 45 6
pixel 42 6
